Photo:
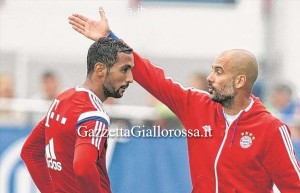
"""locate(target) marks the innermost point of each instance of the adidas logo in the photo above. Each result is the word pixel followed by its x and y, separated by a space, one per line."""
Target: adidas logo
pixel 52 163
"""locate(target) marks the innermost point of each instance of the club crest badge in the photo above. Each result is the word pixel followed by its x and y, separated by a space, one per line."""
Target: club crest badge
pixel 246 139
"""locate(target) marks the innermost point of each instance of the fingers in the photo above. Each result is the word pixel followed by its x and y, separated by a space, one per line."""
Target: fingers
pixel 83 18
pixel 78 30
pixel 102 13
pixel 75 24
pixel 79 19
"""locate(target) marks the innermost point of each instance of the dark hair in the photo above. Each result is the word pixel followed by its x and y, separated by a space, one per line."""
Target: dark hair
pixel 48 74
pixel 105 50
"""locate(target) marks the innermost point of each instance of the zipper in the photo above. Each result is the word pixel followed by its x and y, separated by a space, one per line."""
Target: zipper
pixel 224 139
pixel 222 145
pixel 217 158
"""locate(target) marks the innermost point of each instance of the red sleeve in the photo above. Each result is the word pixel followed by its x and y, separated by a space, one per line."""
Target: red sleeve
pixel 153 79
pixel 281 162
pixel 90 142
pixel 85 168
pixel 33 154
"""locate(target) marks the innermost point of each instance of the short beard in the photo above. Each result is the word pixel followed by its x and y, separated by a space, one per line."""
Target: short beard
pixel 111 93
pixel 225 101
pixel 225 96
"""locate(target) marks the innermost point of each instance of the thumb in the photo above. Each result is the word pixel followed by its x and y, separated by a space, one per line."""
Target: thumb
pixel 102 13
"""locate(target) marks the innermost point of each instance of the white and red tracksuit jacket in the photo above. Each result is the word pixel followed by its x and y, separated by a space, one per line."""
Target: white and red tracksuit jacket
pixel 249 157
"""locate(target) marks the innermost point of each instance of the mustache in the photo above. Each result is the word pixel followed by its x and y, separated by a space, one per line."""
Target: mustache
pixel 210 85
pixel 125 86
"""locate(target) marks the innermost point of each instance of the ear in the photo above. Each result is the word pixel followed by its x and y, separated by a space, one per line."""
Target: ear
pixel 100 69
pixel 240 81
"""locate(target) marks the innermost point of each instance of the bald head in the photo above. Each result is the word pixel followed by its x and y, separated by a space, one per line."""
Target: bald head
pixel 231 80
pixel 241 62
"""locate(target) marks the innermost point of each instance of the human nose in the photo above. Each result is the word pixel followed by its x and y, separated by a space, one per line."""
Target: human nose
pixel 129 78
pixel 210 77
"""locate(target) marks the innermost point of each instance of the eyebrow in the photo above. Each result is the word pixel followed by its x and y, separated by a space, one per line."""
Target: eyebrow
pixel 217 67
pixel 127 66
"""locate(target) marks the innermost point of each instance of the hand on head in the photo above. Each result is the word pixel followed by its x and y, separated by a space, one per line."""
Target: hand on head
pixel 92 29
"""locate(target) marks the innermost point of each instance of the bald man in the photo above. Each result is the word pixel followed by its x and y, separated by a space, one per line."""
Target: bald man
pixel 233 89
pixel 234 143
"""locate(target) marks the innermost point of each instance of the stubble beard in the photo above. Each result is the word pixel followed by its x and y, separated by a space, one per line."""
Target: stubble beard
pixel 225 96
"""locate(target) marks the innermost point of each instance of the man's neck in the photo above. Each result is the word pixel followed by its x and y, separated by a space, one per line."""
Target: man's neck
pixel 237 106
pixel 89 84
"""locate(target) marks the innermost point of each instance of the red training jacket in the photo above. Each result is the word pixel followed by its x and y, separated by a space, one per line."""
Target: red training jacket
pixel 66 151
pixel 250 156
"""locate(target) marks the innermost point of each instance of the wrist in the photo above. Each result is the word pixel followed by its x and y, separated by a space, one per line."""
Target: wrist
pixel 113 36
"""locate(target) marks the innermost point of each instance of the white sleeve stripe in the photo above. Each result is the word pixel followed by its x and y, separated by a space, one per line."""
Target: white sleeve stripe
pixel 97 134
pixel 93 138
pixel 92 114
pixel 288 145
pixel 291 149
pixel 287 136
pixel 99 143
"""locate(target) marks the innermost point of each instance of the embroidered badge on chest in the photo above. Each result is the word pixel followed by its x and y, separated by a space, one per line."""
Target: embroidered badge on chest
pixel 246 139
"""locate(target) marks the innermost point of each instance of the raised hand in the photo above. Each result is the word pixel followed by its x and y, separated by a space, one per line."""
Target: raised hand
pixel 90 28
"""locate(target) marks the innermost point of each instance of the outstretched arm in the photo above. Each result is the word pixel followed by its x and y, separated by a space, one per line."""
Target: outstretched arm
pixel 91 29
pixel 147 75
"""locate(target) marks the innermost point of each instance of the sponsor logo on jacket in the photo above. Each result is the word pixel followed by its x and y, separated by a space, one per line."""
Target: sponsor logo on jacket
pixel 52 163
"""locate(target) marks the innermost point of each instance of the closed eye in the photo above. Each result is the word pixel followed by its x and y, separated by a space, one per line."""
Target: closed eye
pixel 125 68
pixel 217 70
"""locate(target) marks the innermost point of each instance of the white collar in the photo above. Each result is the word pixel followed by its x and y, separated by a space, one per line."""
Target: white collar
pixel 231 118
